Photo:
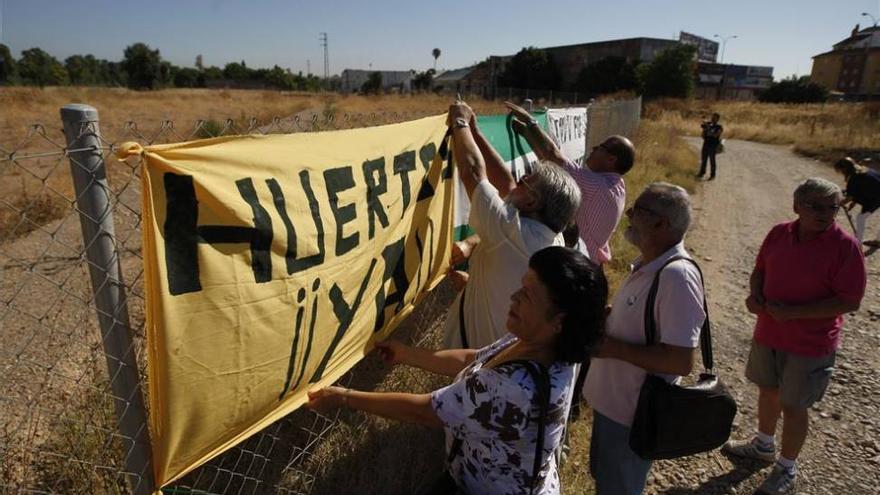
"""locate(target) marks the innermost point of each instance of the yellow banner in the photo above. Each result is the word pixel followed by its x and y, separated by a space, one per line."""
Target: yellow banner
pixel 272 265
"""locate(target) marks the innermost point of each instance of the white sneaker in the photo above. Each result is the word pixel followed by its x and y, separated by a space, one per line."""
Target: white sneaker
pixel 750 449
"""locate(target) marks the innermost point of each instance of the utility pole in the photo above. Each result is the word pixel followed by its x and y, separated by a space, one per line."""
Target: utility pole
pixel 308 67
pixel 323 39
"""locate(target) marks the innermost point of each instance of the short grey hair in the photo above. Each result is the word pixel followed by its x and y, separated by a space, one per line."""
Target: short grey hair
pixel 672 202
pixel 816 185
pixel 559 194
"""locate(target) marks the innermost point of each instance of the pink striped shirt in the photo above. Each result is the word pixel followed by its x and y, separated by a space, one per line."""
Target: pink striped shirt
pixel 603 196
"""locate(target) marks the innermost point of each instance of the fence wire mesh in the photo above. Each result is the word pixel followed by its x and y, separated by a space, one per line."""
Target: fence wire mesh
pixel 59 414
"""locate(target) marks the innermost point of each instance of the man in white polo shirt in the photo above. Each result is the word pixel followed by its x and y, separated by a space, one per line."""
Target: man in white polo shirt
pixel 658 221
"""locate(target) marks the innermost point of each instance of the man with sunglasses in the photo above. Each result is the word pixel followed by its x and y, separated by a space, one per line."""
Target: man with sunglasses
pixel 603 191
pixel 808 274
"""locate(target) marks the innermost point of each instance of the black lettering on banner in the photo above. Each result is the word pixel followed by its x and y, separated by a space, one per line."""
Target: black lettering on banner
pixel 405 163
pixel 182 234
pixel 426 156
pixel 344 313
pixel 421 246
pixel 308 351
pixel 260 235
pixel 291 363
pixel 374 190
pixel 293 263
pixel 394 255
pixel 181 241
pixel 338 180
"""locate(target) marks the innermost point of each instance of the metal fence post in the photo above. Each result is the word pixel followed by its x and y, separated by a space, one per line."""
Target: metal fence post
pixel 96 217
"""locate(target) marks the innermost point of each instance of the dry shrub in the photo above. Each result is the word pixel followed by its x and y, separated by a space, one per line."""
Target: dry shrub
pixel 28 212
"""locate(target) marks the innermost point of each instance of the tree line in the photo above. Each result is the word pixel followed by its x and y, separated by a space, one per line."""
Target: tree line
pixel 670 74
pixel 142 68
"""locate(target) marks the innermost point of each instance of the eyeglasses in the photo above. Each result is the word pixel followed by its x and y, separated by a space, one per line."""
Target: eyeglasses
pixel 820 208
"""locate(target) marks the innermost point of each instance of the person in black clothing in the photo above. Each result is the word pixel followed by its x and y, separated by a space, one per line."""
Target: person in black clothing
pixel 711 140
pixel 862 188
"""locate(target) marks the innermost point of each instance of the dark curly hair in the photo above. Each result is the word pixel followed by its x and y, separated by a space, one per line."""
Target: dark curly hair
pixel 578 289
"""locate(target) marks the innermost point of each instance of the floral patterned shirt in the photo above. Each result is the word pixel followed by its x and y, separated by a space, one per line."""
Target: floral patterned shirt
pixel 494 412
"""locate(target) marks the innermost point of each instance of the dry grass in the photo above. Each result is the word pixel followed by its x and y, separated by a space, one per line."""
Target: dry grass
pixel 826 131
pixel 23 107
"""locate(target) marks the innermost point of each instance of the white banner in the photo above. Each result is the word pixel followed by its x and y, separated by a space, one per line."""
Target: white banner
pixel 568 127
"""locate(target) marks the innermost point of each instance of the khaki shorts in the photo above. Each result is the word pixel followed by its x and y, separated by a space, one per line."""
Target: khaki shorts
pixel 801 380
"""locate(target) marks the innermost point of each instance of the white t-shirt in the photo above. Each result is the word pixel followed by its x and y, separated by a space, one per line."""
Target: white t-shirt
pixel 493 411
pixel 612 386
pixel 496 268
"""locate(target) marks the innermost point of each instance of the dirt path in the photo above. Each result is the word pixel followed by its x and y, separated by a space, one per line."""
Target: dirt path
pixel 734 212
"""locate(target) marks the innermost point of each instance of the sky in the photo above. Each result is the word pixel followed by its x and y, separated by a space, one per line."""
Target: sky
pixel 400 35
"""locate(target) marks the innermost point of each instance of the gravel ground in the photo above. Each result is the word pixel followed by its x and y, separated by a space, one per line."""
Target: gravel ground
pixel 734 212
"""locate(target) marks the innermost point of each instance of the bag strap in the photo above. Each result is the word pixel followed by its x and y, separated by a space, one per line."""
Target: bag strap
pixel 541 378
pixel 651 324
pixel 461 328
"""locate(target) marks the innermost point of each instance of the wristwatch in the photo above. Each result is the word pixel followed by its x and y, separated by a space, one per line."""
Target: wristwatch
pixel 460 122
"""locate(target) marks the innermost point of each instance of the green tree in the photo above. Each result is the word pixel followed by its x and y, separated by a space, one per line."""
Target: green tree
pixel 39 68
pixel 143 66
pixel 111 74
pixel 187 77
pixel 670 74
pixel 607 75
pixel 424 80
pixel 236 71
pixel 213 73
pixel 794 90
pixel 83 70
pixel 531 68
pixel 373 85
pixel 8 69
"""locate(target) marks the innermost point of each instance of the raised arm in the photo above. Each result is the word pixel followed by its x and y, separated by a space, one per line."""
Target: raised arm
pixel 468 158
pixel 540 142
pixel 497 173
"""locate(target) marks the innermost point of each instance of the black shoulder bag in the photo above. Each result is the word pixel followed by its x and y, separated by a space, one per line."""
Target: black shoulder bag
pixel 674 421
pixel 541 378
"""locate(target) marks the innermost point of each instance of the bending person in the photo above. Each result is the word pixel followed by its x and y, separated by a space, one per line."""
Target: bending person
pixel 488 413
pixel 513 221
pixel 862 188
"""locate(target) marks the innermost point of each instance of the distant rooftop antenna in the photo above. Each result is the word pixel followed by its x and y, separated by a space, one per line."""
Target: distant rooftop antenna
pixel 323 39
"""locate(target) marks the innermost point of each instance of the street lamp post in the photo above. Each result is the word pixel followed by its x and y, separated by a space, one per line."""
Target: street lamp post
pixel 724 68
pixel 873 19
pixel 724 43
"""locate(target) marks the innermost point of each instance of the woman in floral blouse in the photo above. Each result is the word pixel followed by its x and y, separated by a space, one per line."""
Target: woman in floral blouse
pixel 490 411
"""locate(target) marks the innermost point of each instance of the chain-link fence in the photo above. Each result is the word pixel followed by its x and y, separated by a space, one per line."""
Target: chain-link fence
pixel 72 414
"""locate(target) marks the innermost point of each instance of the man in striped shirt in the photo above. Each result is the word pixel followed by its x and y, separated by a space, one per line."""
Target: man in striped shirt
pixel 603 191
